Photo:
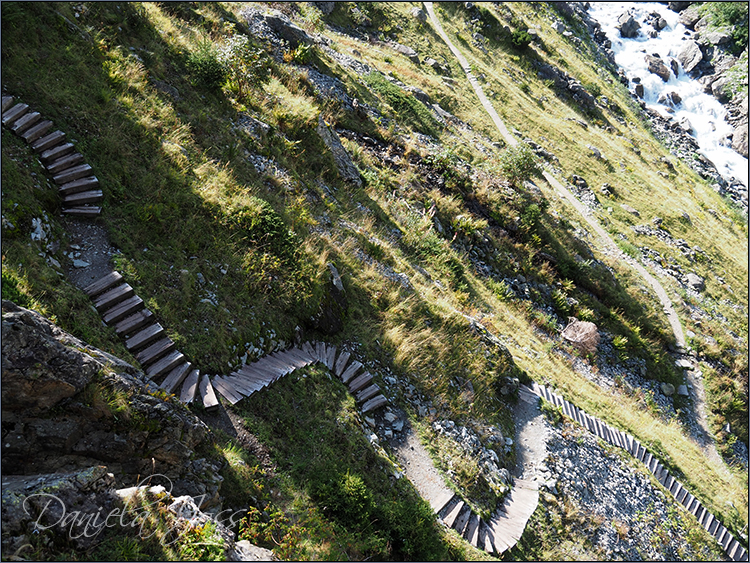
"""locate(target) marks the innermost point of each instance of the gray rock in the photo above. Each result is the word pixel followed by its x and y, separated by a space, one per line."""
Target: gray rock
pixel 418 14
pixel 670 98
pixel 284 28
pixel 721 89
pixel 80 264
pixel 243 550
pixel 559 26
pixel 408 51
pixel 690 55
pixel 325 7
pixel 682 391
pixel 695 282
pixel 716 37
pixel 678 6
pixel 689 17
pixel 627 25
pixel 639 90
pixel 739 140
pixel 667 389
pixel 630 210
pixel 657 66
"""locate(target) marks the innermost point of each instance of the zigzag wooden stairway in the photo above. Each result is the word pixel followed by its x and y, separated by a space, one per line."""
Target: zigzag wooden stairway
pixel 78 187
pixel 504 528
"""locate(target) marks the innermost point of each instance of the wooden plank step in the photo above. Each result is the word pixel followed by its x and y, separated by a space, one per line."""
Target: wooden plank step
pixel 81 185
pixel 34 133
pixel 322 351
pixel 48 141
pixel 14 113
pixel 450 517
pixel 189 386
pixel 83 211
pixel 341 363
pixel 252 380
pixel 124 309
pixel 73 174
pixel 451 500
pixel 462 520
pixel 330 356
pixel 112 297
pixel 7 102
pixel 135 321
pixel 207 393
pixel 166 364
pixel 54 153
pixel 374 403
pixel 144 337
pixel 26 122
pixel 360 382
pixel 254 372
pixel 245 385
pixel 302 356
pixel 367 393
pixel 64 162
pixel 226 390
pixel 176 377
pixel 310 350
pixel 472 529
pixel 80 198
pixel 103 284
pixel 349 372
pixel 157 350
pixel 292 359
pixel 485 538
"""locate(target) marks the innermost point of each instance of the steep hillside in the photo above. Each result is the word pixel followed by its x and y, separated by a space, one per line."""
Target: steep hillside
pixel 250 153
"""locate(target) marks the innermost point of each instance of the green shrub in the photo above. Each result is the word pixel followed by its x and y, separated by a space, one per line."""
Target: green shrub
pixel 260 225
pixel 205 67
pixel 521 38
pixel 731 14
pixel 517 163
pixel 246 65
pixel 412 111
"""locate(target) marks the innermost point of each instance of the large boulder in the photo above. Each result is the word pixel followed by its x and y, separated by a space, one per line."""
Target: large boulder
pixel 695 282
pixel 689 17
pixel 627 25
pixel 690 55
pixel 284 28
pixel 657 66
pixel 678 6
pixel 739 139
pixel 583 335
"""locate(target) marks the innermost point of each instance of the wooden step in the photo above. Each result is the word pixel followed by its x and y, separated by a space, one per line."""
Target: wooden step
pixel 54 153
pixel 310 350
pixel 133 322
pixel 367 393
pixel 81 185
pixel 360 382
pixel 64 162
pixel 37 131
pixel 330 356
pixel 124 309
pixel 26 122
pixel 485 538
pixel 73 174
pixel 14 113
pixel 341 363
pixel 144 337
pixel 156 351
pixel 374 403
pixel 349 372
pixel 452 514
pixel 189 386
pixel 472 530
pixel 48 141
pixel 113 296
pixel 246 385
pixel 166 364
pixel 83 211
pixel 83 197
pixel 462 520
pixel 175 377
pixel 207 393
pixel 227 390
pixel 103 284
pixel 7 102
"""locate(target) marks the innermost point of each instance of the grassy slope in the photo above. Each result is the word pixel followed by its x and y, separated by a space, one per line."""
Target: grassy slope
pixel 175 177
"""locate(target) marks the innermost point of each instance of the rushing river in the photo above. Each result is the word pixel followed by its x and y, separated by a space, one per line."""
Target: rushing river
pixel 706 115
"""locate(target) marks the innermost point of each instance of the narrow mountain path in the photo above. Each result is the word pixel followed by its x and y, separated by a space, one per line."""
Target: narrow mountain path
pixel 607 245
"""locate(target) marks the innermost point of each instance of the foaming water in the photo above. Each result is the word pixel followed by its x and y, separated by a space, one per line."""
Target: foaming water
pixel 704 114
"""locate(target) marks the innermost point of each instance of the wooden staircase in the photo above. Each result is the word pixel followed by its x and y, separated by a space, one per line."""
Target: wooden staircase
pixel 505 527
pixel 77 185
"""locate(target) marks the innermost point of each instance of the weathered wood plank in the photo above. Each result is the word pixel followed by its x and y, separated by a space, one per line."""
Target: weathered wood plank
pixel 462 520
pixel 48 141
pixel 360 382
pixel 374 403
pixel 207 393
pixel 341 363
pixel 145 337
pixel 367 393
pixel 14 113
pixel 175 377
pixel 452 514
pixel 123 310
pixel 91 196
pixel 157 350
pixel 7 102
pixel 64 162
pixel 189 386
pixel 103 284
pixel 56 152
pixel 113 296
pixel 135 321
pixel 309 350
pixel 73 174
pixel 226 390
pixel 35 132
pixel 25 122
pixel 89 183
pixel 166 364
pixel 471 532
pixel 349 372
pixel 83 211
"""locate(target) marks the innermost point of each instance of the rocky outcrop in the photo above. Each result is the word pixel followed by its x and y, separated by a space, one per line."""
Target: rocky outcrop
pixel 657 66
pixel 67 406
pixel 344 163
pixel 690 56
pixel 627 25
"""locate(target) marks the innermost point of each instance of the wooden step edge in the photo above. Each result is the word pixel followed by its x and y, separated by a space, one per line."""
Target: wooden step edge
pixel 175 377
pixel 83 211
pixel 189 386
pixel 103 284
pixel 207 393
